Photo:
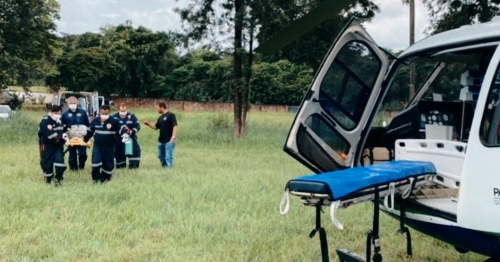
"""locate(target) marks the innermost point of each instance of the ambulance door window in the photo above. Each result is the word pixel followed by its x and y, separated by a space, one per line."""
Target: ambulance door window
pixel 490 124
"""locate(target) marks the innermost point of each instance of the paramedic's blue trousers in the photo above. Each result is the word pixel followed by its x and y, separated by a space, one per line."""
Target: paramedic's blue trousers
pixel 52 156
pixel 103 162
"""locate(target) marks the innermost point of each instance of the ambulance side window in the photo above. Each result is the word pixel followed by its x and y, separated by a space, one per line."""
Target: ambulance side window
pixel 490 124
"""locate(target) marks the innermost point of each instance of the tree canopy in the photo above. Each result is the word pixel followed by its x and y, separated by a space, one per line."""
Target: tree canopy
pixel 27 37
pixel 450 14
pixel 311 47
pixel 120 60
pixel 127 60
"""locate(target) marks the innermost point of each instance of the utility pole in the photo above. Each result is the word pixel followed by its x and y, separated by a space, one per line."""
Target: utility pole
pixel 412 41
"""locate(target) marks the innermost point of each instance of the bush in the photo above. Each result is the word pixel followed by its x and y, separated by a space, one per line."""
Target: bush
pixel 219 123
pixel 15 103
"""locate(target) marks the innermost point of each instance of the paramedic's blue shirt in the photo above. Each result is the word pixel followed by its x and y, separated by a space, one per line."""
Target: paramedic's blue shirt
pixel 104 133
pixel 130 122
pixel 79 117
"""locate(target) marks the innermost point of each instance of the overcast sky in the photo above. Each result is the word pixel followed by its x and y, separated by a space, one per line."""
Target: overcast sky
pixel 389 28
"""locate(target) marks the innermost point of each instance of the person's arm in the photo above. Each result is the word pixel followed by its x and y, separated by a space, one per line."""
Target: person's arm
pixel 63 122
pixel 40 127
pixel 136 125
pixel 90 132
pixel 120 129
pixel 49 132
pixel 173 121
pixel 86 120
pixel 174 134
pixel 154 127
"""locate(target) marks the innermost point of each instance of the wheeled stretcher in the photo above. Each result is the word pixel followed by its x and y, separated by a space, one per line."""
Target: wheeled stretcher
pixel 355 185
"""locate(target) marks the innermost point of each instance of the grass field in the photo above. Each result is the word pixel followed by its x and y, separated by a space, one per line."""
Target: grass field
pixel 218 203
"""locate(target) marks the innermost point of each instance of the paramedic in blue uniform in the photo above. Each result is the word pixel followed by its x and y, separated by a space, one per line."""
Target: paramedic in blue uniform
pixel 75 116
pixel 105 130
pixel 52 142
pixel 132 127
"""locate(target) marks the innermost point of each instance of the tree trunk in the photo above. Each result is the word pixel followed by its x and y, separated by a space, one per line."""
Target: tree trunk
pixel 238 69
pixel 248 73
pixel 412 41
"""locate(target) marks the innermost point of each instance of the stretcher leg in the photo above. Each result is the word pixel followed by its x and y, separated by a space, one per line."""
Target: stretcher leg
pixel 373 237
pixel 322 234
pixel 405 230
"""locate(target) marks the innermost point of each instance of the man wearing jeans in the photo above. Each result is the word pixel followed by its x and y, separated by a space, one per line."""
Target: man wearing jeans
pixel 167 124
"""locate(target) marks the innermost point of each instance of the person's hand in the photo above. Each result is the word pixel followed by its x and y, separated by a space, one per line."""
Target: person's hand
pixel 146 122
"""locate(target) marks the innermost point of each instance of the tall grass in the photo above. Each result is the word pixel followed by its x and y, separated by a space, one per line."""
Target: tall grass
pixel 218 203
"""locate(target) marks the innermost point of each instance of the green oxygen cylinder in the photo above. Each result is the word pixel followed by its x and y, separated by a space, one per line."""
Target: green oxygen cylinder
pixel 128 147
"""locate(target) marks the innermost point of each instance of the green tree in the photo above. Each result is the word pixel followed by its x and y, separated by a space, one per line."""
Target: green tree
pixel 450 14
pixel 237 15
pixel 136 61
pixel 26 35
pixel 202 76
pixel 89 69
pixel 280 83
pixel 205 76
pixel 147 59
pixel 310 48
pixel 88 39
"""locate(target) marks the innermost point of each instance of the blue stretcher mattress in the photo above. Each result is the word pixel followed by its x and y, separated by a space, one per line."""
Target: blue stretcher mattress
pixel 341 184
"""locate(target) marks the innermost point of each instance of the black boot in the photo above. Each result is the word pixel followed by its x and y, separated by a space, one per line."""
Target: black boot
pixel 105 177
pixel 96 174
pixel 73 167
pixel 81 162
pixel 120 163
pixel 133 163
pixel 121 166
pixel 48 179
pixel 59 179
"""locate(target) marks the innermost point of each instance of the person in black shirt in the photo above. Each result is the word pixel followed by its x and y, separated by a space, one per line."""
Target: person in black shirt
pixel 167 124
pixel 105 131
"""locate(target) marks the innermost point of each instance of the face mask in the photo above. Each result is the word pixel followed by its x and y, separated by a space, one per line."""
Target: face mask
pixel 55 117
pixel 104 117
pixel 123 113
pixel 72 106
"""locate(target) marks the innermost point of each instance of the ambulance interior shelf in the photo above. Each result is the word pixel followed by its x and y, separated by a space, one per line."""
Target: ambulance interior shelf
pixel 411 122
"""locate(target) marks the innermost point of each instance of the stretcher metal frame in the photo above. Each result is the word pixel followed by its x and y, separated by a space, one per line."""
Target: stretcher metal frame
pixel 387 190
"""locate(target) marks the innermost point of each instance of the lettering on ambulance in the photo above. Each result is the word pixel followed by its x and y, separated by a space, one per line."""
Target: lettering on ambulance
pixel 496 196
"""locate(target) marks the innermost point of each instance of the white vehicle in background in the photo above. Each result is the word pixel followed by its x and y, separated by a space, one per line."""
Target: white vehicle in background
pixel 88 101
pixel 5 112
